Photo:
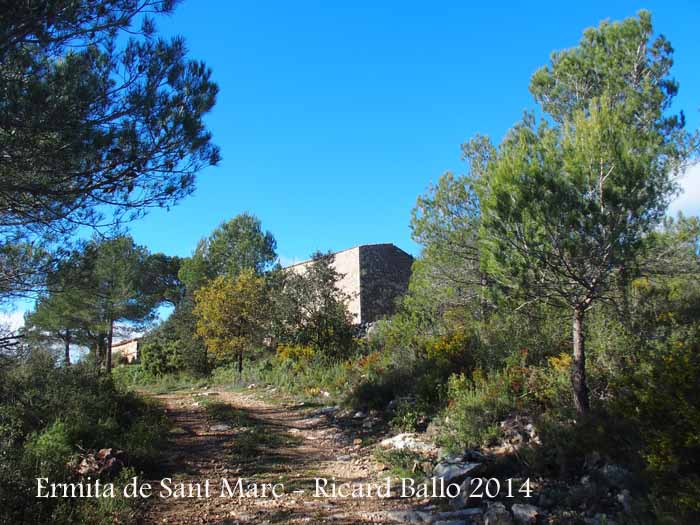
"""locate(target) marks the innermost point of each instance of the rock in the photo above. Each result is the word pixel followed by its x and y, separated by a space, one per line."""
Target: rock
pixel 524 513
pixel 517 431
pixel 205 394
pixel 408 516
pixel 220 428
pixel 461 515
pixel 325 393
pixel 325 411
pixel 497 514
pixel 104 462
pixel 345 457
pixel 359 415
pixel 463 500
pixel 407 441
pixel 454 471
pixel 252 386
pixel 357 441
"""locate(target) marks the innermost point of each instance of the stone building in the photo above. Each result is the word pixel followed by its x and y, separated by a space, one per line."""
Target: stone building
pixel 128 350
pixel 373 275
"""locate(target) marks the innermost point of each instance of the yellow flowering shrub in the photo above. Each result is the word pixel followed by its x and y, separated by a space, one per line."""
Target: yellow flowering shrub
pixel 295 353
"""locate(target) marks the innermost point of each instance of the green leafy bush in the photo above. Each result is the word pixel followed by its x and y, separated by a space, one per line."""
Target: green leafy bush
pixel 660 398
pixel 48 413
pixel 49 451
pixel 407 417
pixel 475 407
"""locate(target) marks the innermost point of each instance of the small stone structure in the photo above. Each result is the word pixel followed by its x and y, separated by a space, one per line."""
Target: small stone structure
pixel 373 275
pixel 128 350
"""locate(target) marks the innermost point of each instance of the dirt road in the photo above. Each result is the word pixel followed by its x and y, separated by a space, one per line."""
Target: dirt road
pixel 241 436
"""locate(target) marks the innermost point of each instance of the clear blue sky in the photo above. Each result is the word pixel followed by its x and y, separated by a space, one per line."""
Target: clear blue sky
pixel 333 117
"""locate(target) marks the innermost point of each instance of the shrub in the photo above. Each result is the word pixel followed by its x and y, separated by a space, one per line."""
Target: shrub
pixel 661 400
pixel 404 463
pixel 297 354
pixel 48 413
pixel 474 409
pixel 550 385
pixel 407 417
pixel 49 451
pixel 451 351
pixel 158 356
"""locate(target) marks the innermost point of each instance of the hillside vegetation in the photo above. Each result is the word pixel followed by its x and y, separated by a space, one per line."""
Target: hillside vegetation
pixel 551 329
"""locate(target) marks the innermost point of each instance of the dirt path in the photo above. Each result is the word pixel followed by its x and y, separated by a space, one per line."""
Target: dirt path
pixel 236 436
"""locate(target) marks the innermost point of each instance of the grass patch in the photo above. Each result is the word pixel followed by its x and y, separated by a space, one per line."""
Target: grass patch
pixel 135 377
pixel 403 463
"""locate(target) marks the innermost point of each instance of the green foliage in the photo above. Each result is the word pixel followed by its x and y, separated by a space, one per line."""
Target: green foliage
pixel 50 450
pixel 173 346
pixel 74 62
pixel 660 400
pixel 446 222
pixel 403 463
pixel 627 63
pixel 231 315
pixel 87 91
pixel 135 377
pixel 50 413
pixel 236 245
pixel 158 357
pixel 475 408
pixel 107 511
pixel 104 282
pixel 407 417
pixel 310 310
pixel 567 206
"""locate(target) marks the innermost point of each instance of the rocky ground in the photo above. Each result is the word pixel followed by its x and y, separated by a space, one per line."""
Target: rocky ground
pixel 262 439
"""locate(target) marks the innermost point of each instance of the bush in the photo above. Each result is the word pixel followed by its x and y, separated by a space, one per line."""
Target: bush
pixel 407 417
pixel 47 414
pixel 296 354
pixel 174 347
pixel 49 451
pixel 660 398
pixel 159 357
pixel 475 408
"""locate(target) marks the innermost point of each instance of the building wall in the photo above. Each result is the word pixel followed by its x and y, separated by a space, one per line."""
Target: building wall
pixel 347 264
pixel 128 349
pixel 385 272
pixel 374 276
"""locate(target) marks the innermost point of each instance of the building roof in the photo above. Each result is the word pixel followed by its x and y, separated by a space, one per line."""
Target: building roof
pixel 125 342
pixel 348 249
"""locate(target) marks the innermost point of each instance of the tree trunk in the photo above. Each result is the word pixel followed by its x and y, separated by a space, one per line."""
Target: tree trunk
pixel 109 347
pixel 578 372
pixel 67 348
pixel 240 362
pixel 100 351
pixel 482 296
